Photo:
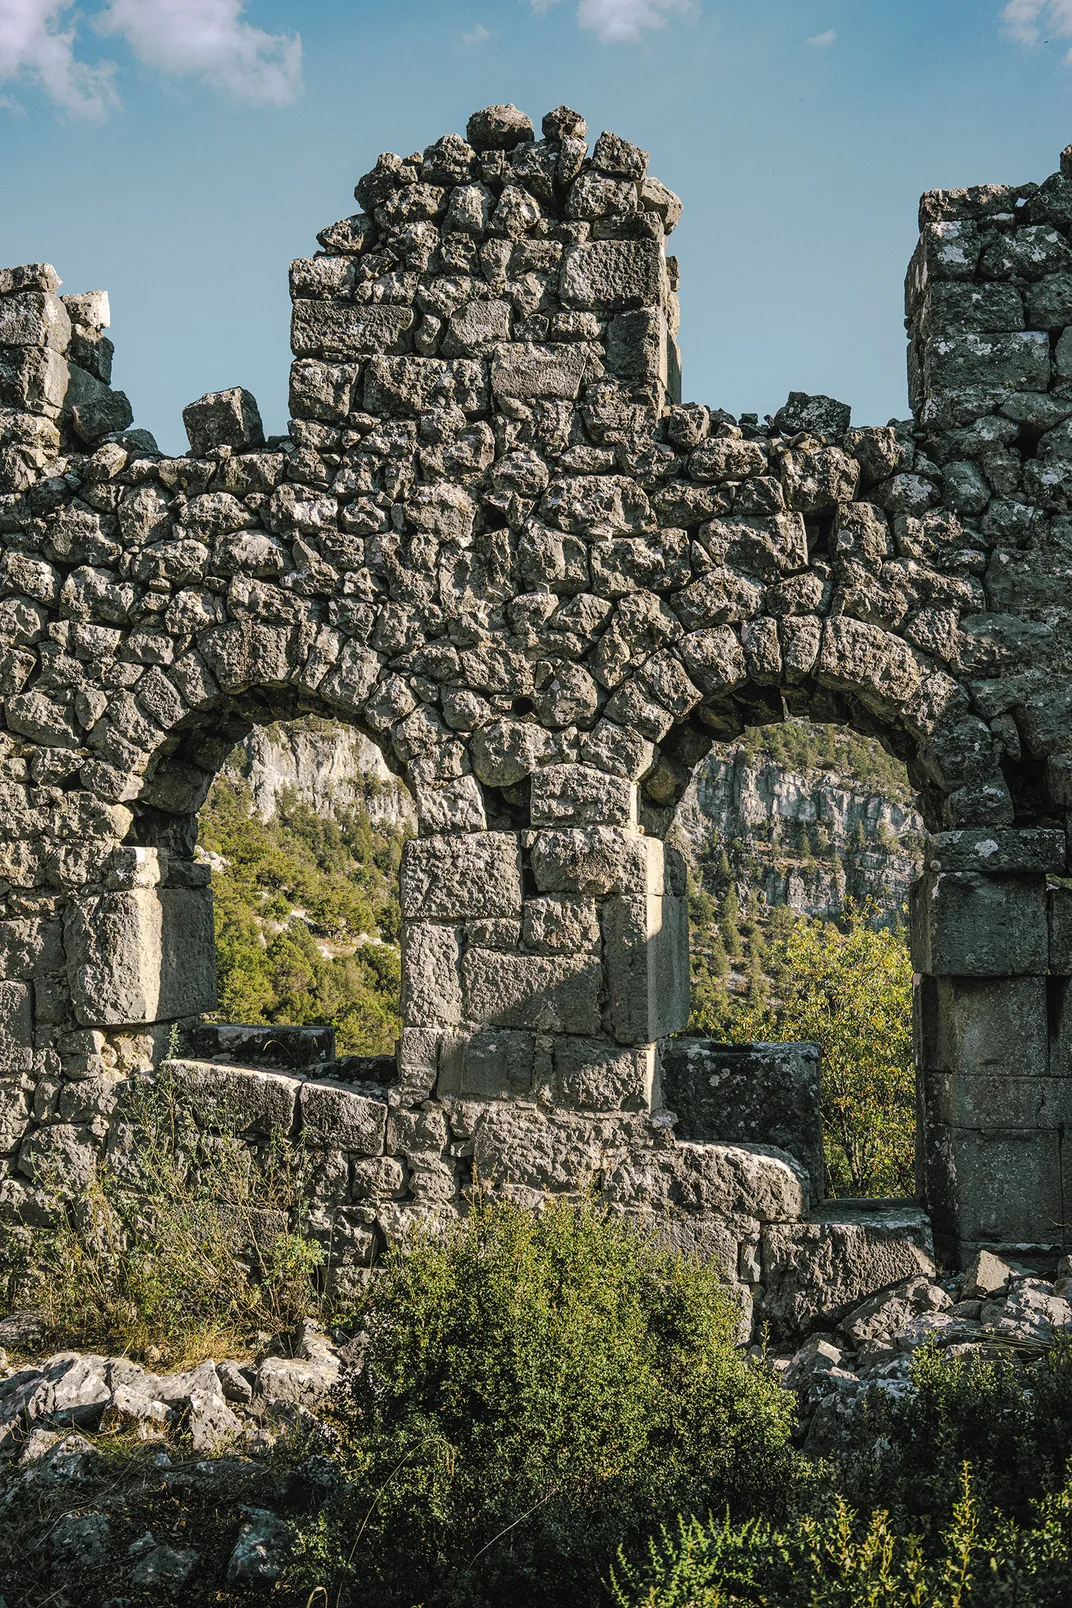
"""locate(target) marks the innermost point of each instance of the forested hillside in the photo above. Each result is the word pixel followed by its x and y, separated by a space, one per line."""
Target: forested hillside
pixel 794 821
pixel 307 918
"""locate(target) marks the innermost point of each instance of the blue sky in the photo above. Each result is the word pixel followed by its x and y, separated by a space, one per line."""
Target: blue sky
pixel 178 153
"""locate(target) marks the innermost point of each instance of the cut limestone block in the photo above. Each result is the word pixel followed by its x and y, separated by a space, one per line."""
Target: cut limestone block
pixel 815 1271
pixel 646 955
pixel 597 1075
pixel 145 955
pixel 995 1026
pixel 964 924
pixel 452 878
pixel 999 1187
pixel 493 1065
pixel 748 1094
pixel 235 1099
pixel 332 1114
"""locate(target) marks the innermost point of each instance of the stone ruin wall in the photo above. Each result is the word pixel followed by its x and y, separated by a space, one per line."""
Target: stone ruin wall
pixel 497 542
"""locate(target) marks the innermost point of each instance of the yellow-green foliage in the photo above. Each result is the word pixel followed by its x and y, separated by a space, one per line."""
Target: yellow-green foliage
pixel 953 1494
pixel 840 1559
pixel 847 988
pixel 341 874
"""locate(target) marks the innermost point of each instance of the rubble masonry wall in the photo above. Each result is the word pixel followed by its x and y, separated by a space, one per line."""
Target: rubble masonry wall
pixel 497 542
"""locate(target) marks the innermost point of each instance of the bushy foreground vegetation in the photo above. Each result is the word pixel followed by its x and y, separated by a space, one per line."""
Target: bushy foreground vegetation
pixel 536 1390
pixel 307 916
pixel 554 1412
pixel 957 1493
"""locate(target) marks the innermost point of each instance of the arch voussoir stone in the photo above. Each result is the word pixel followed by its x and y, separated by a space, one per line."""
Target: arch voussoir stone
pixel 497 541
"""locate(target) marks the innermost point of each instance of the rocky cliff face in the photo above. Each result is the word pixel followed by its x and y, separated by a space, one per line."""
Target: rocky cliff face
pixel 796 835
pixel 328 764
pixel 808 838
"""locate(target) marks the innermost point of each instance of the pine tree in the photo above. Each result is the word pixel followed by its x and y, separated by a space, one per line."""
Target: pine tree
pixel 758 984
pixel 717 958
pixel 729 926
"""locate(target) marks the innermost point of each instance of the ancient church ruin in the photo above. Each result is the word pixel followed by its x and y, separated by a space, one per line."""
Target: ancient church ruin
pixel 497 541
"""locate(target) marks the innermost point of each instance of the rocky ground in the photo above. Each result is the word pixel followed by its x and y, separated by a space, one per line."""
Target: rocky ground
pixel 994 1308
pixel 154 1481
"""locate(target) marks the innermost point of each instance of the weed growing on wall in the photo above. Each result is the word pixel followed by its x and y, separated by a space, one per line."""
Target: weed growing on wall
pixel 182 1244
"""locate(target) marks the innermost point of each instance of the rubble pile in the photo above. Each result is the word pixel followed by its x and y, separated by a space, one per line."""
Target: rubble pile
pixel 992 1310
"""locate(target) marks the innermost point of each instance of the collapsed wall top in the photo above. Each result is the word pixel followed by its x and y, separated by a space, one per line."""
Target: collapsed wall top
pixel 547 258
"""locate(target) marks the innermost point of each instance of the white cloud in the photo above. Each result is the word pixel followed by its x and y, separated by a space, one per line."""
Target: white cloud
pixel 823 41
pixel 35 45
pixel 208 39
pixel 615 20
pixel 1027 20
pixel 477 35
pixel 204 38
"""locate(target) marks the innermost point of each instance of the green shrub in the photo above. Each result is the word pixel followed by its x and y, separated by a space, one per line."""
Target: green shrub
pixel 537 1389
pixel 1013 1425
pixel 182 1243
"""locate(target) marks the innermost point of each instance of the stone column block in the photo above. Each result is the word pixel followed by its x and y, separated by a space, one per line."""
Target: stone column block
pixel 1060 1024
pixel 1002 1187
pixel 970 1026
pixel 593 1074
pixel 461 878
pixel 491 1065
pixel 140 956
pixel 996 849
pixel 1059 910
pixel 16 1028
pixel 577 795
pixel 598 860
pixel 418 1065
pixel 555 922
pixel 965 924
pixel 431 982
pixel 638 349
pixel 992 1104
pixel 541 993
pixel 646 958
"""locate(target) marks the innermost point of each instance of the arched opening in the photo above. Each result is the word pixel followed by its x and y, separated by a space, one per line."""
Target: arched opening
pixel 293 821
pixel 303 830
pixel 802 840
